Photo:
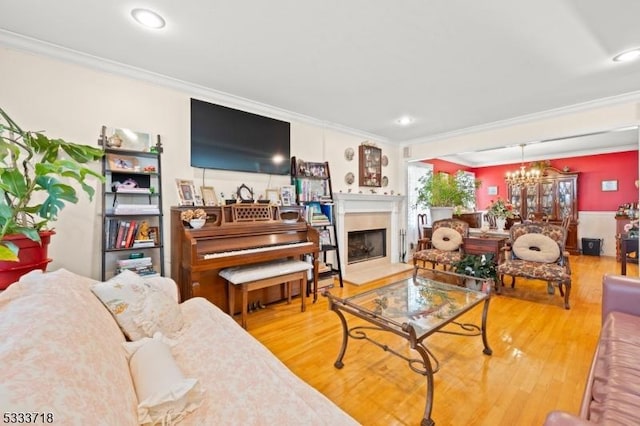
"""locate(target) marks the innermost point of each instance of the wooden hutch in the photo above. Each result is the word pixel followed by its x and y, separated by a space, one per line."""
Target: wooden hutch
pixel 553 198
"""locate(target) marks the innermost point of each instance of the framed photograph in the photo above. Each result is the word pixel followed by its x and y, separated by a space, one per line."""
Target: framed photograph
pixel 186 192
pixel 609 185
pixel 273 195
pixel 127 139
pixel 154 234
pixel 492 190
pixel 123 163
pixel 209 195
pixel 287 195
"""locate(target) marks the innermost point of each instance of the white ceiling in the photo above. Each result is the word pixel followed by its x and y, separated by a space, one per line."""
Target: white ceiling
pixel 361 64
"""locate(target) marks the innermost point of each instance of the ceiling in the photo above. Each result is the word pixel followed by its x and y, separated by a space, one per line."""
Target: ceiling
pixel 603 142
pixel 361 64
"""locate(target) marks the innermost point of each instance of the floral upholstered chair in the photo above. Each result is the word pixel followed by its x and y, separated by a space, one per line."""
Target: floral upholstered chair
pixel 444 247
pixel 536 251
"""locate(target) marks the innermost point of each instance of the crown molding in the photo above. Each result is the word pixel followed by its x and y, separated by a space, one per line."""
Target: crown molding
pixel 32 45
pixel 537 116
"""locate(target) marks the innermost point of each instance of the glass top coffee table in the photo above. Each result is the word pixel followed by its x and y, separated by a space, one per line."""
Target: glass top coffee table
pixel 414 309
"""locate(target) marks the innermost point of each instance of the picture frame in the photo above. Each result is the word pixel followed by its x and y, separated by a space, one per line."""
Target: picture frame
pixel 609 185
pixel 287 195
pixel 186 192
pixel 154 234
pixel 273 195
pixel 209 195
pixel 370 166
pixel 492 190
pixel 127 139
pixel 123 163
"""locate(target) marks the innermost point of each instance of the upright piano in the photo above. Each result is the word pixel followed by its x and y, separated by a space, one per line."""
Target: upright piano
pixel 233 235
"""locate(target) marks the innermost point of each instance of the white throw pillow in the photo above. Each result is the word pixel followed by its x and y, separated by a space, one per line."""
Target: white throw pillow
pixel 139 308
pixel 446 239
pixel 158 312
pixel 165 396
pixel 536 248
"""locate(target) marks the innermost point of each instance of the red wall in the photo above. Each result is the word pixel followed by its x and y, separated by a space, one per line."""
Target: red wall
pixel 592 169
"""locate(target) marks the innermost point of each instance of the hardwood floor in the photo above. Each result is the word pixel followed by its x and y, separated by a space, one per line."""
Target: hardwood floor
pixel 541 356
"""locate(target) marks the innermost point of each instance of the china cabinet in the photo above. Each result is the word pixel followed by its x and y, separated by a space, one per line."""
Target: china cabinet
pixel 551 199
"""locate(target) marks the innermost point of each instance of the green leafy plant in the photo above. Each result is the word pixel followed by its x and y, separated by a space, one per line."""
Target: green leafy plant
pixel 33 172
pixel 444 190
pixel 478 266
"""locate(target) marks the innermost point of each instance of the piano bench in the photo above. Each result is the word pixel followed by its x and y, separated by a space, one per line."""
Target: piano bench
pixel 260 275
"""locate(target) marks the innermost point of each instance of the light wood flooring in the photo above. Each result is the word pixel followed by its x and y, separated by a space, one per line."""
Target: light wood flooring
pixel 541 356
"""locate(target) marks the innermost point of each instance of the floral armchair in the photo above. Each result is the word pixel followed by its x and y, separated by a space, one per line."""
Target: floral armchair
pixel 536 251
pixel 444 247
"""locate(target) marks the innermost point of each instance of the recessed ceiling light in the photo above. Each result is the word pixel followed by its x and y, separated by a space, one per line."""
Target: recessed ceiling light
pixel 148 18
pixel 629 55
pixel 405 121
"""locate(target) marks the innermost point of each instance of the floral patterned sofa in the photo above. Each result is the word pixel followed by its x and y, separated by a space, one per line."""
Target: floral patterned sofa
pixel 64 355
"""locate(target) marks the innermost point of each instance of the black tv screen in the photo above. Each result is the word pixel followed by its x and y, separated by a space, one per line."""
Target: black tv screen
pixel 229 139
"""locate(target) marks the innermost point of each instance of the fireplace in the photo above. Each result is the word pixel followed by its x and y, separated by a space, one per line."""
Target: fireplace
pixel 363 212
pixel 366 245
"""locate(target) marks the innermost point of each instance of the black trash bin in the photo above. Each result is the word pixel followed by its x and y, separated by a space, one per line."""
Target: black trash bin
pixel 591 246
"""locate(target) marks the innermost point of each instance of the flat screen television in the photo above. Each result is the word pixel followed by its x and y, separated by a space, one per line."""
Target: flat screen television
pixel 229 139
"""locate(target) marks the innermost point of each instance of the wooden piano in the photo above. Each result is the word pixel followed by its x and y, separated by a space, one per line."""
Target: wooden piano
pixel 238 234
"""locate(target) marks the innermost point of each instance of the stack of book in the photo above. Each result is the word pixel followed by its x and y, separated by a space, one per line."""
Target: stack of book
pixel 142 266
pixel 316 215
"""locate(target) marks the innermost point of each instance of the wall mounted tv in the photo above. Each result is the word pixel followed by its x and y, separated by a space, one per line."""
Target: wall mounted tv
pixel 229 139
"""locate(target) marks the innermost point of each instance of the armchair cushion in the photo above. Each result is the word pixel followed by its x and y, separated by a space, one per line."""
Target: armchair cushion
pixel 536 248
pixel 446 239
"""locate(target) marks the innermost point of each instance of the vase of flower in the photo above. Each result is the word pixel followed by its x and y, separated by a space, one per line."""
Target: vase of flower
pixel 500 209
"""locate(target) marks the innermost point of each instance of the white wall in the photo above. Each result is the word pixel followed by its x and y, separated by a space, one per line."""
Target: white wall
pixel 73 102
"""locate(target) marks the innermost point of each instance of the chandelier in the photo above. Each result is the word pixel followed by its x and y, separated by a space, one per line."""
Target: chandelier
pixel 523 176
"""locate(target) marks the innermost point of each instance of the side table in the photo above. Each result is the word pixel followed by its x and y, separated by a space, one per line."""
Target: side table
pixel 481 245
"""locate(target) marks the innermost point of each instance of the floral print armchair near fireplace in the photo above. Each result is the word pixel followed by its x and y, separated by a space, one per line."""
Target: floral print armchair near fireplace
pixel 444 247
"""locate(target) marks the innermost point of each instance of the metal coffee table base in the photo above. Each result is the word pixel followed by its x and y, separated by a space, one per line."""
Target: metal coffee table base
pixel 428 364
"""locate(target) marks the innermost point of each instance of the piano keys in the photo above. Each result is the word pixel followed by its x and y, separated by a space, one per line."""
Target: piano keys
pixel 238 234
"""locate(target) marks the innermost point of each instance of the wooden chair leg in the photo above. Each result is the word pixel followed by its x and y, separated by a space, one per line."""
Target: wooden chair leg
pixel 245 305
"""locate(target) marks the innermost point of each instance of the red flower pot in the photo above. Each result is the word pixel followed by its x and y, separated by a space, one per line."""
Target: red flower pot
pixel 32 256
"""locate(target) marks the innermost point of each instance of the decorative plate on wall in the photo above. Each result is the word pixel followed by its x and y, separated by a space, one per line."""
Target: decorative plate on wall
pixel 349 153
pixel 385 161
pixel 349 178
pixel 385 181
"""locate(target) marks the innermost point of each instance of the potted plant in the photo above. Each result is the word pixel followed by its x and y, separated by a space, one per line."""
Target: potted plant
pixel 442 193
pixel 477 266
pixel 34 170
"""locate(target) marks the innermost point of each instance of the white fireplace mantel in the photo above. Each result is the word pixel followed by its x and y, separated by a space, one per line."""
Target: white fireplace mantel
pixel 348 203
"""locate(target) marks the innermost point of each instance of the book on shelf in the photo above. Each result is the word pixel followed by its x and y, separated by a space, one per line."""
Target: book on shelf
pixel 121 234
pixel 145 271
pixel 133 190
pixel 143 243
pixel 128 263
pixel 327 210
pixel 136 209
